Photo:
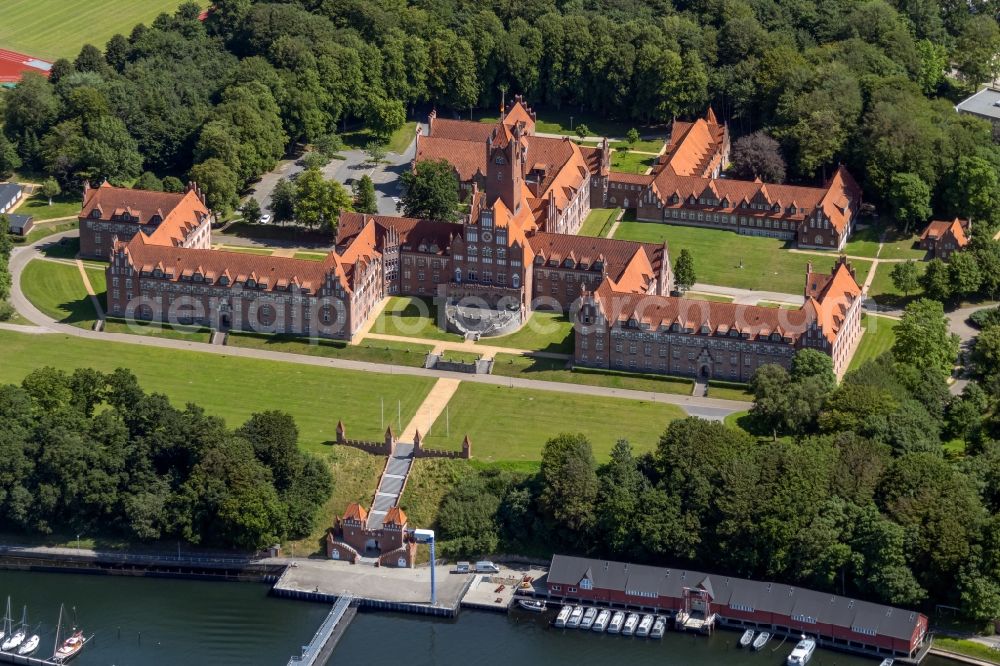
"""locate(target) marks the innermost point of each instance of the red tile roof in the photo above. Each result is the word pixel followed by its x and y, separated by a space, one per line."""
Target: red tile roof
pixel 938 228
pixel 410 233
pixel 630 264
pixel 467 156
pixel 179 214
pixel 356 512
pixel 395 516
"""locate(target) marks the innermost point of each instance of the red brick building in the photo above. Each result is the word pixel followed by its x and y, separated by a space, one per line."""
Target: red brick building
pixel 640 332
pixel 941 238
pixel 390 544
pixel 164 218
pixel 835 621
pixel 233 290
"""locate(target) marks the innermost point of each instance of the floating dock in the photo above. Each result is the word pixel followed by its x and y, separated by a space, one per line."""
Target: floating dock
pixel 11 658
pixel 320 648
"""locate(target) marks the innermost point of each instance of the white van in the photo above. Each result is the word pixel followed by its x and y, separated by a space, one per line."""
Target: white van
pixel 463 567
pixel 486 566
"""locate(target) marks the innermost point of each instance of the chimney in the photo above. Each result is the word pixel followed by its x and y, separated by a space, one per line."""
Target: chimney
pixel 86 189
pixel 430 122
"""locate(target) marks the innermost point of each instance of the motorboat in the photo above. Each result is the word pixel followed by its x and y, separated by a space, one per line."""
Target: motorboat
pixel 30 645
pixel 616 623
pixel 761 640
pixel 601 623
pixel 645 624
pixel 802 652
pixel 747 638
pixel 887 662
pixel 563 616
pixel 532 605
pixel 589 616
pixel 69 648
pixel 630 622
pixel 574 618
pixel 659 627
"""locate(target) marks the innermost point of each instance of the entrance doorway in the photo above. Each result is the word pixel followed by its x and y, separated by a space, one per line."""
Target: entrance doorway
pixel 705 372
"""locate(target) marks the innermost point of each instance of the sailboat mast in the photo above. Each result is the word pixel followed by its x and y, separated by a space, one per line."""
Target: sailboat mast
pixel 55 648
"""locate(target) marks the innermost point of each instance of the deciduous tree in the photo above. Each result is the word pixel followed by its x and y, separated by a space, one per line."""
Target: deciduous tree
pixel 923 338
pixel 684 273
pixel 430 191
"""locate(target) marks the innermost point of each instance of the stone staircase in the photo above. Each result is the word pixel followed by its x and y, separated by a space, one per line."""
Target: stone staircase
pixel 391 484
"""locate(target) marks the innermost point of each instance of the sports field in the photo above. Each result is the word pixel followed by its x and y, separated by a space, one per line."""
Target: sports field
pixel 233 388
pixel 51 29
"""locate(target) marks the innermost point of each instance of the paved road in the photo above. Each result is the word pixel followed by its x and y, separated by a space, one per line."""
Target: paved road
pixel 353 167
pixel 709 408
pixel 960 326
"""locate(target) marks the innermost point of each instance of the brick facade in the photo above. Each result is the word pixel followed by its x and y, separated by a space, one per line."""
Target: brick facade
pixel 941 239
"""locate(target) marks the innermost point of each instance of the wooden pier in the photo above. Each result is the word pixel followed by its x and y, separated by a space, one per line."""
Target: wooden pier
pixel 321 646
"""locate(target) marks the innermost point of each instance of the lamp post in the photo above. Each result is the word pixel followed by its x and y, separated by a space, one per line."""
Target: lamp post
pixel 427 536
pixel 77 544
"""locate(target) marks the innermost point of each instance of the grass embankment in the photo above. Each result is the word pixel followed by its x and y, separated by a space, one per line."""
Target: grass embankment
pixel 233 388
pixel 598 222
pixel 884 291
pixel 729 391
pixel 967 648
pixel 507 424
pixel 372 351
pixel 544 331
pixel 554 370
pixel 57 290
pixel 38 206
pixel 52 29
pixel 878 337
pixel 40 232
pixel 719 254
pixel 411 317
pixel 864 242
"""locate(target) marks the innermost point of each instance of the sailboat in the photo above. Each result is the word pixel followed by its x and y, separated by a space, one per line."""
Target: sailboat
pixel 29 646
pixel 7 629
pixel 18 636
pixel 70 647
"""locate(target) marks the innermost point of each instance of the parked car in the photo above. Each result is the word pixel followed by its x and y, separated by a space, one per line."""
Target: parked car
pixel 487 567
pixel 265 219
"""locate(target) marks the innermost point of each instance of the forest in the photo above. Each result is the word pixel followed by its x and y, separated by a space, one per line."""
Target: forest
pixel 868 83
pixel 849 488
pixel 92 453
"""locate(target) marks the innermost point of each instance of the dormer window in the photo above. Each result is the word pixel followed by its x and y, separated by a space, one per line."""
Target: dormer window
pixel 498 160
pixel 96 214
pixel 598 265
pixel 539 260
pixel 157 273
pixel 198 277
pixel 705 330
pixel 224 281
pixel 568 263
pixel 733 332
pixel 251 283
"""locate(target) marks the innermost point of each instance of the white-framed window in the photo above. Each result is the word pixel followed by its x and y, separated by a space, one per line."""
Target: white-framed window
pixel 587 584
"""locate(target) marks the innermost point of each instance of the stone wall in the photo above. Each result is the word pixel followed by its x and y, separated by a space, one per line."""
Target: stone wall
pixel 420 452
pixel 384 448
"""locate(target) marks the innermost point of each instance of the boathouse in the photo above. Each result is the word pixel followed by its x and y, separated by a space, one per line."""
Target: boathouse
pixel 837 622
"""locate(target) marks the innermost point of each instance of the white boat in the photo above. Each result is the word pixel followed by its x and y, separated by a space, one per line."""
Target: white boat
pixel 659 627
pixel 563 616
pixel 69 648
pixel 589 616
pixel 601 623
pixel 887 662
pixel 629 627
pixel 747 638
pixel 29 646
pixel 15 639
pixel 532 605
pixel 802 652
pixel 616 623
pixel 7 629
pixel 645 624
pixel 761 640
pixel 574 618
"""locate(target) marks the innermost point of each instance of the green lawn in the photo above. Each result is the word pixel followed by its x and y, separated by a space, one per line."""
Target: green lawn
pixel 631 162
pixel 884 291
pixel 729 391
pixel 156 330
pixel 879 334
pixel 967 647
pixel 40 232
pixel 718 254
pixel 514 424
pixel 398 142
pixel 311 256
pixel 456 356
pixel 247 250
pixel 412 317
pixel 554 370
pixel 66 248
pixel 544 331
pixel 53 29
pixel 232 387
pixel 864 243
pixel 599 221
pixel 702 296
pixel 373 351
pixel 38 206
pixel 57 290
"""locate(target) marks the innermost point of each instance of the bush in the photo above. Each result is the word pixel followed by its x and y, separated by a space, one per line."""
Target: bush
pixel 6 311
pixel 984 318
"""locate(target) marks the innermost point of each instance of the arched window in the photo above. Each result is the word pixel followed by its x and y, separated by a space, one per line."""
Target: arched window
pixel 458 275
pixel 819 239
pixel 515 280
